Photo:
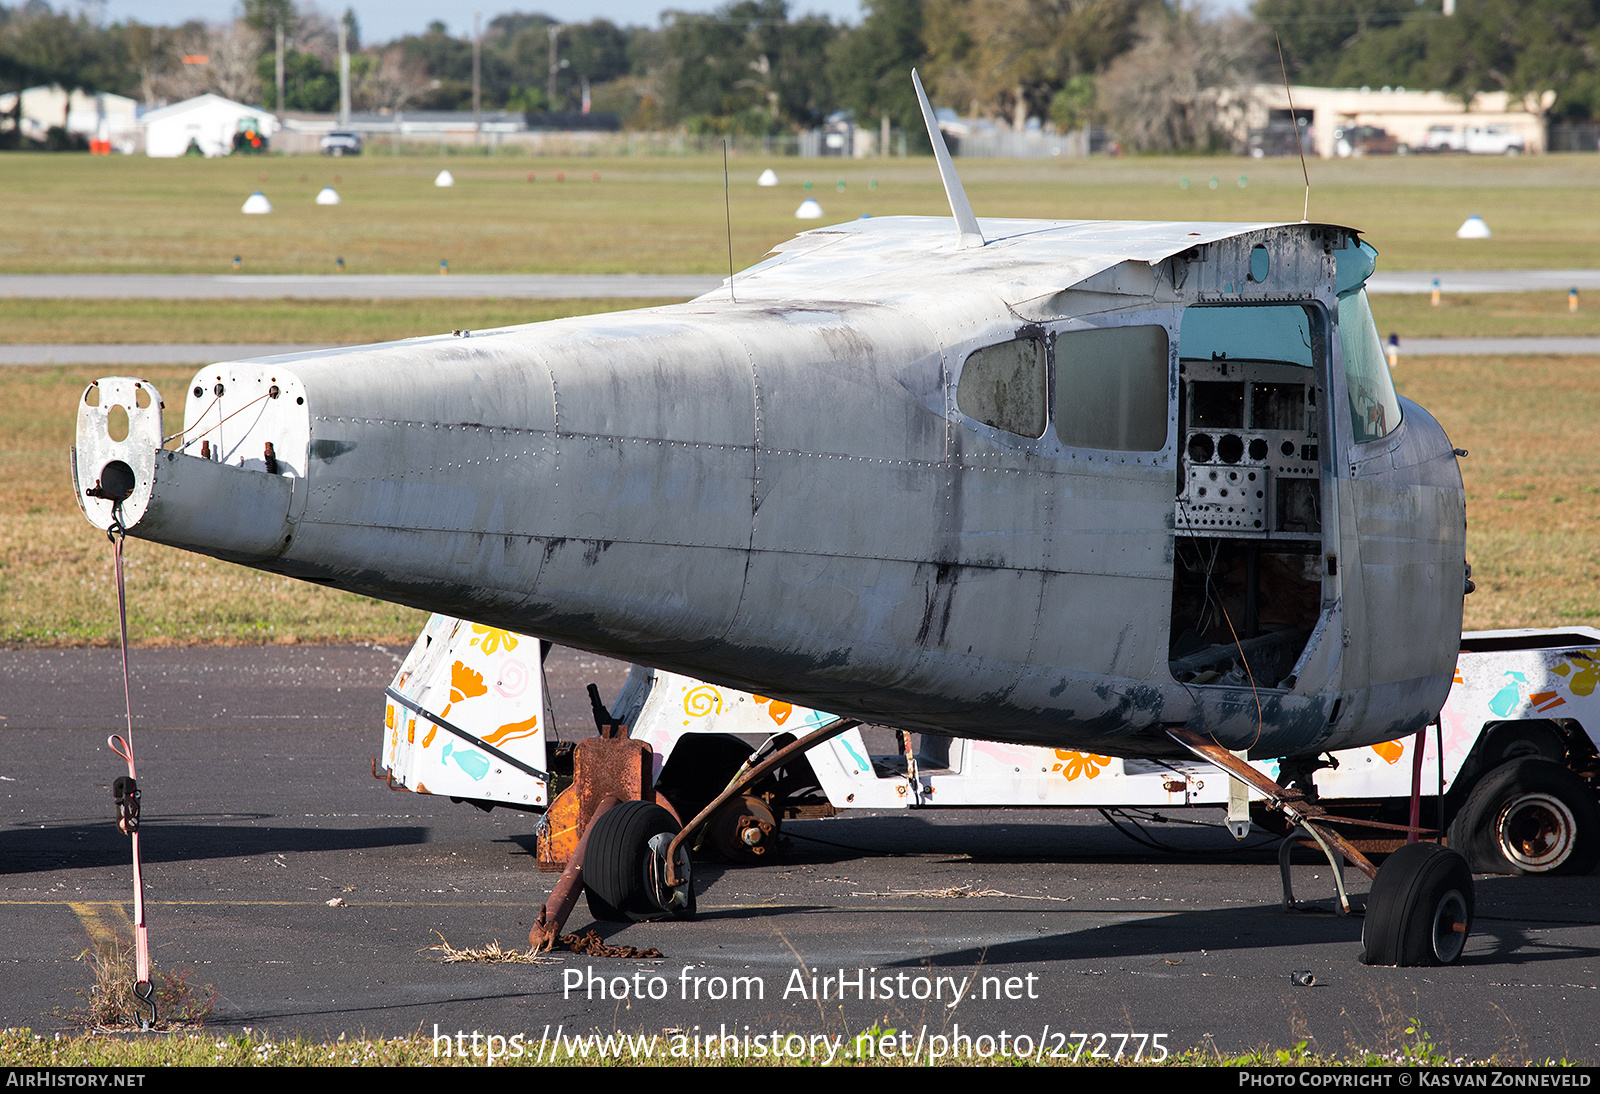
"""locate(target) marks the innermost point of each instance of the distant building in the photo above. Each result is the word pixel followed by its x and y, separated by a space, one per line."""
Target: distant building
pixel 207 122
pixel 1343 120
pixel 98 116
pixel 573 121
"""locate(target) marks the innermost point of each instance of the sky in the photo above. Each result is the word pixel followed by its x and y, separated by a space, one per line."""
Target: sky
pixel 385 20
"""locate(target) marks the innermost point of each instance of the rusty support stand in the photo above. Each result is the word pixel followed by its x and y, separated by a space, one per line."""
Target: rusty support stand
pixel 553 915
pixel 607 769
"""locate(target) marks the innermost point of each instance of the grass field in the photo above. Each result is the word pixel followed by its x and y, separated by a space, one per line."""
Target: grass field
pixel 665 215
pixel 336 322
pixel 1476 315
pixel 55 569
pixel 1533 509
pixel 1407 1045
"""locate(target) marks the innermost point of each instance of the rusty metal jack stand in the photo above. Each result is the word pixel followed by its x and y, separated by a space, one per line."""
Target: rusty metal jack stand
pixel 606 770
pixel 1306 816
pixel 613 768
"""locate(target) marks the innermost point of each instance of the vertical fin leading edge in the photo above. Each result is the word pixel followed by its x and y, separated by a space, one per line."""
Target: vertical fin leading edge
pixel 967 230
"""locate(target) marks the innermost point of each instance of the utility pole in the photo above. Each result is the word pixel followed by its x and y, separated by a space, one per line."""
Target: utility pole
pixel 554 30
pixel 344 70
pixel 477 76
pixel 280 73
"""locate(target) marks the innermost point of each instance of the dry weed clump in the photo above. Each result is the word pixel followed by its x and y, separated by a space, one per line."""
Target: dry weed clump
pixel 110 1005
pixel 492 954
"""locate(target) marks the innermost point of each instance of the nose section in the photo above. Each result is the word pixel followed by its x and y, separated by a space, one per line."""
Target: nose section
pixel 233 499
pixel 113 461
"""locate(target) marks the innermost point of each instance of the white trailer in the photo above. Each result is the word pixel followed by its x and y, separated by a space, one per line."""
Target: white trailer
pixel 1510 769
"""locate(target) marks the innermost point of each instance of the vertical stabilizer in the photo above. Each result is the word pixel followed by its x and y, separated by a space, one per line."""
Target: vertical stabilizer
pixel 960 208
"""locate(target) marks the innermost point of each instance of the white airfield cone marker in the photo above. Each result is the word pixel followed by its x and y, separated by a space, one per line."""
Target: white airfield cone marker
pixel 1473 228
pixel 444 178
pixel 256 203
pixel 327 196
pixel 809 210
pixel 769 177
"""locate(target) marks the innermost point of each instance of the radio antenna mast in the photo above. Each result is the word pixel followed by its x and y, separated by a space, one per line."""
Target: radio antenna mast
pixel 1294 121
pixel 727 212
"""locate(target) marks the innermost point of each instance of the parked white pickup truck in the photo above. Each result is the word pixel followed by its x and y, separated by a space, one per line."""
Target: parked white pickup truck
pixel 1481 140
pixel 1509 771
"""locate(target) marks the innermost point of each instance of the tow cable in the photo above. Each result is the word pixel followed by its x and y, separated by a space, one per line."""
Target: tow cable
pixel 125 790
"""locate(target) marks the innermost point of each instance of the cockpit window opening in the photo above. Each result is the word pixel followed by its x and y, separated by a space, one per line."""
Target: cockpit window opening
pixel 1374 406
pixel 1006 386
pixel 1112 388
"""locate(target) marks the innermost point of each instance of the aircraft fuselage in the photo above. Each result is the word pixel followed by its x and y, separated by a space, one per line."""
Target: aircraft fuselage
pixel 960 491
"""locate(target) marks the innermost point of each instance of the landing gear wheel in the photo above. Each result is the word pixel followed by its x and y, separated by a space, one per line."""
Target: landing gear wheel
pixel 1529 816
pixel 1419 911
pixel 619 866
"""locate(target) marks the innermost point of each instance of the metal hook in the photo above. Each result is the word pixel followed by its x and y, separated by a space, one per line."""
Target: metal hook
pixel 148 996
pixel 116 529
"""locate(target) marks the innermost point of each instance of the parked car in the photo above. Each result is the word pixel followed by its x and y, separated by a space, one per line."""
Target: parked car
pixel 1366 140
pixel 1280 138
pixel 341 143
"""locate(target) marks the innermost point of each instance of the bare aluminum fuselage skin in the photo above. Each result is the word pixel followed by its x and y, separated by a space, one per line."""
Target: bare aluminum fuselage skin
pixel 781 494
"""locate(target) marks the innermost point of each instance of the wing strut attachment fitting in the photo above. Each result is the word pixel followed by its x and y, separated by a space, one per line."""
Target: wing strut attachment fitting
pixel 967 231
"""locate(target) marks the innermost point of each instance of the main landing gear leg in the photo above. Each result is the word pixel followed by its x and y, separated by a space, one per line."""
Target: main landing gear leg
pixel 1419 909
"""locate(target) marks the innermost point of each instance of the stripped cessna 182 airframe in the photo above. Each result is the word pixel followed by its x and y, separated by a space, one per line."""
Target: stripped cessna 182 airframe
pixel 1135 489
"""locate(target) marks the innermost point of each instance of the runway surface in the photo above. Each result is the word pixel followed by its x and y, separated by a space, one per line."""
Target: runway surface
pixel 573 286
pixel 189 354
pixel 259 810
pixel 352 286
pixel 144 353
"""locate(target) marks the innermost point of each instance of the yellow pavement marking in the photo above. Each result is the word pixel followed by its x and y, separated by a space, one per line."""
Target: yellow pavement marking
pixel 789 909
pixel 104 921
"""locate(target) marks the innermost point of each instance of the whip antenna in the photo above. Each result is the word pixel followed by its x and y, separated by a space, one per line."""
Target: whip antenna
pixel 727 212
pixel 1294 122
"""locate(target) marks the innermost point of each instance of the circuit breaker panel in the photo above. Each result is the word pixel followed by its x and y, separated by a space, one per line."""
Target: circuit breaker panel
pixel 1251 460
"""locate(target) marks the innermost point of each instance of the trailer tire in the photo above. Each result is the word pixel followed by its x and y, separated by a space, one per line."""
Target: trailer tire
pixel 1419 911
pixel 617 862
pixel 1529 816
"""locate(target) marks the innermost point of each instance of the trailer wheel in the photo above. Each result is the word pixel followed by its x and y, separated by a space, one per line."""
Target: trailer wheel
pixel 1529 816
pixel 1419 911
pixel 618 864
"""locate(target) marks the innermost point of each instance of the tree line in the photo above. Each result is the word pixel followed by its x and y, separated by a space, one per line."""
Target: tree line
pixel 1158 74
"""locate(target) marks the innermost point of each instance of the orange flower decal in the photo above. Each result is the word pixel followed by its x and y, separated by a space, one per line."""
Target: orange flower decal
pixel 1074 764
pixel 779 711
pixel 465 683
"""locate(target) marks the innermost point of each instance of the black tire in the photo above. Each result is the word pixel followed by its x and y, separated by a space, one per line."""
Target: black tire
pixel 616 864
pixel 1419 911
pixel 1529 816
